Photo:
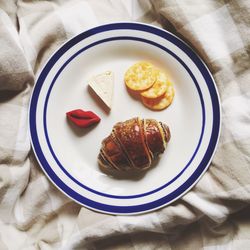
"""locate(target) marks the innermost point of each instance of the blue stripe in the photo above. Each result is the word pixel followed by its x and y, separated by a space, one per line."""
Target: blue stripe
pixel 215 129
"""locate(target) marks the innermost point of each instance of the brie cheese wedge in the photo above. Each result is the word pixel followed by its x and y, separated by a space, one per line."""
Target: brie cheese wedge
pixel 103 86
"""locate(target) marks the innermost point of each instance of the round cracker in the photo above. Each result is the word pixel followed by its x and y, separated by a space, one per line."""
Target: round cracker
pixel 159 88
pixel 160 103
pixel 140 76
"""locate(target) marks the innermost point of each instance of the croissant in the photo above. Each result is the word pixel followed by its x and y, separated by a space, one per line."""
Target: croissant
pixel 134 144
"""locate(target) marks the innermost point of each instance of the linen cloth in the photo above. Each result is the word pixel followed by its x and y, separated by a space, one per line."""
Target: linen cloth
pixel 215 214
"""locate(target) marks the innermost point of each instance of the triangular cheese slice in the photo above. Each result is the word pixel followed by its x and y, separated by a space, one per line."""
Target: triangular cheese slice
pixel 103 86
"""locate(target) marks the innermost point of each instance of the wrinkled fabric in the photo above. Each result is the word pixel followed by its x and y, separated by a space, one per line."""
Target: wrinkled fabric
pixel 213 215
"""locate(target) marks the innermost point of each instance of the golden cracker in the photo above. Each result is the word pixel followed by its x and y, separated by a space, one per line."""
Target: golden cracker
pixel 140 76
pixel 159 88
pixel 160 103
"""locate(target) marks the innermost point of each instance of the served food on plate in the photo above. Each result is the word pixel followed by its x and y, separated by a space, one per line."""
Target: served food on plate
pixel 82 118
pixel 134 144
pixel 103 86
pixel 151 84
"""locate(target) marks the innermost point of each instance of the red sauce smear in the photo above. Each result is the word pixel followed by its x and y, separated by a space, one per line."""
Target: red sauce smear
pixel 82 118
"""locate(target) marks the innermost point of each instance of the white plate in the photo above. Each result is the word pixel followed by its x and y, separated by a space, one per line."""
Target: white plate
pixel 68 155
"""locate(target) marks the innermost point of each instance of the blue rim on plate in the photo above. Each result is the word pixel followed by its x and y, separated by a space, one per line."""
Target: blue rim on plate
pixel 201 168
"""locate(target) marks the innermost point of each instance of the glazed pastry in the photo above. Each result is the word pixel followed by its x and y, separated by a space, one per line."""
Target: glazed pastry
pixel 134 144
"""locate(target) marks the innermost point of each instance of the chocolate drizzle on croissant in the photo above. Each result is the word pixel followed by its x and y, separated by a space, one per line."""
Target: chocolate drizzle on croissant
pixel 134 144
